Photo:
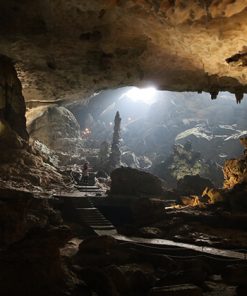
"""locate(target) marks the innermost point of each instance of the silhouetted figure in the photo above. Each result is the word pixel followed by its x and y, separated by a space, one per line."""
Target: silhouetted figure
pixel 85 173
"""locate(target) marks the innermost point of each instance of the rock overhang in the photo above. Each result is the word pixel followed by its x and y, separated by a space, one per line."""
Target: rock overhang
pixel 71 49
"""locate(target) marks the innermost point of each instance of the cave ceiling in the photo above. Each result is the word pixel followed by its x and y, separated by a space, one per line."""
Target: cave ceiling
pixel 69 49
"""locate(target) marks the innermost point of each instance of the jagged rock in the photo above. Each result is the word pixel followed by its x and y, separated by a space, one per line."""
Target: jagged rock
pixel 193 184
pixel 176 290
pixel 128 181
pixel 213 195
pixel 235 170
pixel 21 212
pixel 130 160
pixel 183 161
pixel 30 169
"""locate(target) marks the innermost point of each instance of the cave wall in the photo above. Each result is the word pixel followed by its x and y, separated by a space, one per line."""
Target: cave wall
pixel 70 48
pixel 12 105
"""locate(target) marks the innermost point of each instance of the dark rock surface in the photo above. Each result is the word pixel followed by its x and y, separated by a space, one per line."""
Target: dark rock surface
pixel 31 234
pixel 128 181
pixel 193 184
pixel 12 106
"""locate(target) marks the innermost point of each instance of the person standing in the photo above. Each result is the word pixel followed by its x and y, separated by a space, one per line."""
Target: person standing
pixel 85 173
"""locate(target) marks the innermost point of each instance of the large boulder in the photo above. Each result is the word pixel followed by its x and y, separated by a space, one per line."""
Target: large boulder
pixel 193 184
pixel 147 211
pixel 128 181
pixel 57 128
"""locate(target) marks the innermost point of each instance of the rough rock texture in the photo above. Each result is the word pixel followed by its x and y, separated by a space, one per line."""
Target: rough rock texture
pixel 128 181
pixel 57 128
pixel 193 184
pixel 30 237
pixel 235 170
pixel 146 211
pixel 30 168
pixel 12 107
pixel 21 213
pixel 185 161
pixel 70 47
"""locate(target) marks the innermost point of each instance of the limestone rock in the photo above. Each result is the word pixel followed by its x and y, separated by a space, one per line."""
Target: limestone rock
pixel 183 161
pixel 57 128
pixel 129 159
pixel 128 181
pixel 213 195
pixel 29 168
pixel 21 212
pixel 235 170
pixel 81 47
pixel 12 106
pixel 193 184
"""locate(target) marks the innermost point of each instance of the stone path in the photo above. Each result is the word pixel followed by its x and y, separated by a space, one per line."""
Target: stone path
pixel 87 213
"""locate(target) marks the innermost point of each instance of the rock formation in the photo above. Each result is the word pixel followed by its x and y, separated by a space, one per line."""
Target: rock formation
pixel 185 161
pixel 57 128
pixel 115 155
pixel 132 182
pixel 235 170
pixel 65 48
pixel 30 237
pixel 12 107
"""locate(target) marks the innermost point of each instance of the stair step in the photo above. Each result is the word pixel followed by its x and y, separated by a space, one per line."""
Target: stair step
pixel 102 227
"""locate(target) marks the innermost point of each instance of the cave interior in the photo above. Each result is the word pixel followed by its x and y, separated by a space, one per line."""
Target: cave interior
pixel 123 137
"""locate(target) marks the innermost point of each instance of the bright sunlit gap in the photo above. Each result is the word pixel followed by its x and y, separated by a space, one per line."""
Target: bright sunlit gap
pixel 145 95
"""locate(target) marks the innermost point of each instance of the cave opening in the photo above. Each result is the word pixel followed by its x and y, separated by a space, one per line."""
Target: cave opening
pixel 169 134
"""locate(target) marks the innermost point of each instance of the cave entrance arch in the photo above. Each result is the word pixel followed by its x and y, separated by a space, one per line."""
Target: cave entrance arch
pixel 158 127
